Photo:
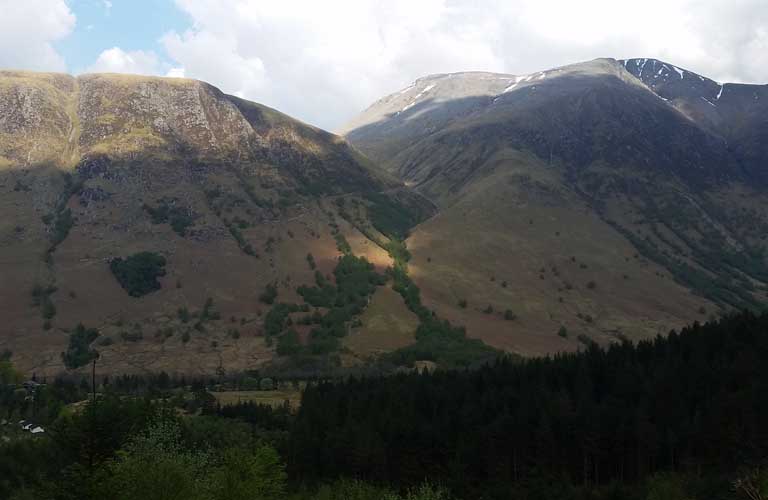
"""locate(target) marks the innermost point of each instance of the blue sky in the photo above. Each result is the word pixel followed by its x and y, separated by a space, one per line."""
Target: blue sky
pixel 128 24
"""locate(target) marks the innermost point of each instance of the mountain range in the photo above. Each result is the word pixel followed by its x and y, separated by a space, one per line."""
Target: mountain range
pixel 598 201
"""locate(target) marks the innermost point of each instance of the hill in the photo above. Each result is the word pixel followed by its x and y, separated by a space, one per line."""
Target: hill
pixel 599 200
pixel 167 218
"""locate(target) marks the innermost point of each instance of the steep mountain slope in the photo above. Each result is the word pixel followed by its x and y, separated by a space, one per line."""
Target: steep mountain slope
pixel 735 112
pixel 231 194
pixel 608 197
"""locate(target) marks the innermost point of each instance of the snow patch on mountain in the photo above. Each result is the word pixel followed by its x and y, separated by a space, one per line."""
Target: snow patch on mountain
pixel 418 96
pixel 517 80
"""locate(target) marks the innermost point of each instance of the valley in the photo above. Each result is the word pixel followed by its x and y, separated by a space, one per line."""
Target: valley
pixel 595 202
pixel 491 286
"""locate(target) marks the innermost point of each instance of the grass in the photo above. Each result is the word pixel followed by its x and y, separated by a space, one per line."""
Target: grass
pixel 387 325
pixel 488 232
pixel 272 398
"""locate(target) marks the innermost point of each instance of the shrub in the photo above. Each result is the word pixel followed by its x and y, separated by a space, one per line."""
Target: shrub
pixel 488 310
pixel 389 216
pixel 288 343
pixel 38 293
pixel 79 352
pixel 183 314
pixel 138 274
pixel 208 313
pixel 133 336
pixel 41 296
pixel 584 339
pixel 179 218
pixel 463 303
pixel 591 285
pixel 242 243
pixel 270 294
pixel 62 225
pixel 164 333
pixel 48 310
pixel 342 244
pixel 563 332
pixel 509 315
pixel 356 281
pixel 275 320
pixel 311 261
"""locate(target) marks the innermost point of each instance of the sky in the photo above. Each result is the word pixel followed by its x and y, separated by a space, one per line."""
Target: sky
pixel 323 61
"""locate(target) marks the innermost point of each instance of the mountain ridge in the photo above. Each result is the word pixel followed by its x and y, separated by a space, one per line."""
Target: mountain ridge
pixel 692 96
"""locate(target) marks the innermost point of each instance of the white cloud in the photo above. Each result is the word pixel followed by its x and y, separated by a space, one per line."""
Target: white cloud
pixel 325 61
pixel 203 53
pixel 116 60
pixel 27 31
pixel 175 73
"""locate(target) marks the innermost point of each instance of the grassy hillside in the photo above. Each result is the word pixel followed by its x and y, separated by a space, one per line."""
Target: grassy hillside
pixel 582 201
pixel 223 197
pixel 520 240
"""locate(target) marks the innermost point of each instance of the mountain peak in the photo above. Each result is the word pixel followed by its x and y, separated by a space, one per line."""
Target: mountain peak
pixel 672 82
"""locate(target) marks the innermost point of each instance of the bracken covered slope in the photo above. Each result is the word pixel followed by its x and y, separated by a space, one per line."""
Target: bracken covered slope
pixel 602 199
pixel 233 195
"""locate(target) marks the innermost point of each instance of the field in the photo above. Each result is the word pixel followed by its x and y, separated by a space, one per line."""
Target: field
pixel 272 398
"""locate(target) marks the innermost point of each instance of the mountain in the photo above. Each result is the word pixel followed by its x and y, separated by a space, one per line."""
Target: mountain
pixel 601 199
pixel 156 212
pixel 733 111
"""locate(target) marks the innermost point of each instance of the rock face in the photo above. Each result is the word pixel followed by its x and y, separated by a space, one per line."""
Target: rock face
pixel 630 193
pixel 231 193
